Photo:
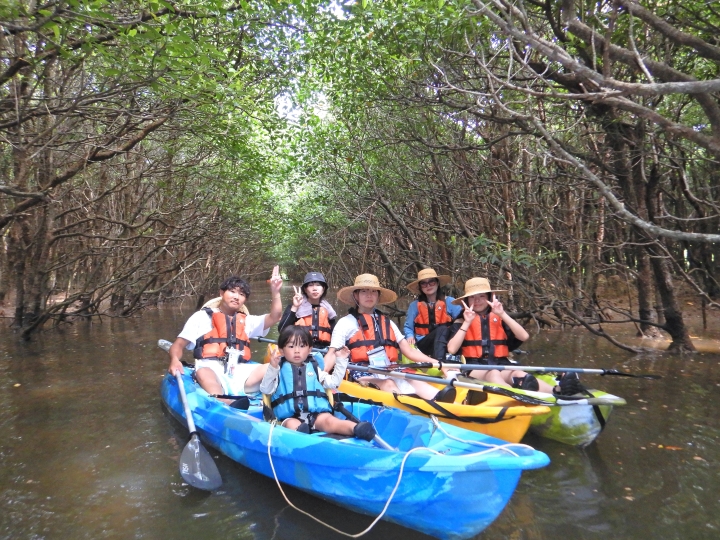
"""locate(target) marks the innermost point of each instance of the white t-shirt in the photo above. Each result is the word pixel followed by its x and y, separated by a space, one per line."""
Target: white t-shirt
pixel 200 324
pixel 348 326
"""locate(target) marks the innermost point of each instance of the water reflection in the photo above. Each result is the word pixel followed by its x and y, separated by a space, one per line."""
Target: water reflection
pixel 87 451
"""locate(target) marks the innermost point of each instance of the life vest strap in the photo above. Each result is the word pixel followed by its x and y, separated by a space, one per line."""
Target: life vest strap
pixel 373 343
pixel 222 359
pixel 238 342
pixel 298 394
pixel 321 329
pixel 483 342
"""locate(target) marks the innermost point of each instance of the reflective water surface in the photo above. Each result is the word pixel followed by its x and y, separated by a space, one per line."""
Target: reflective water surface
pixel 87 450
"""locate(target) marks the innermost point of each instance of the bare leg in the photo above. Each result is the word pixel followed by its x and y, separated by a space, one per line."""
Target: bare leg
pixel 252 383
pixel 423 389
pixel 493 376
pixel 386 385
pixel 506 377
pixel 209 382
pixel 331 424
pixel 291 423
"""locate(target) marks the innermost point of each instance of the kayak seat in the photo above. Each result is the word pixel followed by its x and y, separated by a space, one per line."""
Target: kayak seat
pixel 475 397
pixel 446 395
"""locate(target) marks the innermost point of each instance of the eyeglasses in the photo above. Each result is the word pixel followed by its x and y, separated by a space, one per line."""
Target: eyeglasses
pixel 425 283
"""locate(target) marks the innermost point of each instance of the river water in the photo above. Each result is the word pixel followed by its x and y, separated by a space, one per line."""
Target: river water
pixel 88 452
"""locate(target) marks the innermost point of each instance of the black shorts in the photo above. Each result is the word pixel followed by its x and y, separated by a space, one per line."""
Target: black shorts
pixel 489 361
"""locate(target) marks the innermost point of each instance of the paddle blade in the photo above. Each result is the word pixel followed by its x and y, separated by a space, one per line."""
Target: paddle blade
pixel 197 467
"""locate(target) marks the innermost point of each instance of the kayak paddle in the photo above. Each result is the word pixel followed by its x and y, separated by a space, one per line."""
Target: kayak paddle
pixel 350 416
pixel 491 389
pixel 196 466
pixel 484 367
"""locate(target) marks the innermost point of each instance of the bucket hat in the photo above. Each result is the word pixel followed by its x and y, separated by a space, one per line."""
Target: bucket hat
pixel 366 281
pixel 427 273
pixel 476 285
pixel 314 276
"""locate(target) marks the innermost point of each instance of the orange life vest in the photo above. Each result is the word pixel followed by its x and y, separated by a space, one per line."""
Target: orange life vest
pixel 212 345
pixel 427 319
pixel 485 339
pixel 365 340
pixel 319 325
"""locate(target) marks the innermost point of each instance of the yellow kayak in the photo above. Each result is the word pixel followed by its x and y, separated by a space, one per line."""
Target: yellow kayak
pixel 494 415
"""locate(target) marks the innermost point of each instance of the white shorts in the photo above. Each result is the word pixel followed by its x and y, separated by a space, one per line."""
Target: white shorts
pixel 233 385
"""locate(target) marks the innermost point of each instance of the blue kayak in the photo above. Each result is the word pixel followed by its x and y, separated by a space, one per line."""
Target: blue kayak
pixel 453 485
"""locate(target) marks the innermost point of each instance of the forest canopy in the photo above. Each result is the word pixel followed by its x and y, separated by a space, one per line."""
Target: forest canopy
pixel 150 148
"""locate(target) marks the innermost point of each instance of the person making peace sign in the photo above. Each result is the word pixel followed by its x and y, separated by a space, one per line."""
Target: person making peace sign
pixel 485 334
pixel 309 308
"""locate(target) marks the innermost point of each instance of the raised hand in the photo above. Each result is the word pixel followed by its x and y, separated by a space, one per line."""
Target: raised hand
pixel 298 298
pixel 275 357
pixel 468 313
pixel 275 280
pixel 496 306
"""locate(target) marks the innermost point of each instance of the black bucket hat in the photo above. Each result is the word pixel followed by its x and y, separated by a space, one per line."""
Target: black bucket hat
pixel 314 276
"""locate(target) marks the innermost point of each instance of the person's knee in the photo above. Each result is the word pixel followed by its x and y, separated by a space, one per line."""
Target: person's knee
pixel 387 385
pixel 205 375
pixel 479 374
pixel 290 423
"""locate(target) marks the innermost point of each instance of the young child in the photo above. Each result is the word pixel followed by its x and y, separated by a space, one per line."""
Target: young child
pixel 297 386
pixel 309 308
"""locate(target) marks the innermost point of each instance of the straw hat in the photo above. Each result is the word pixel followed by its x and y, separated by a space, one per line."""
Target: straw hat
pixel 215 303
pixel 427 273
pixel 366 281
pixel 476 285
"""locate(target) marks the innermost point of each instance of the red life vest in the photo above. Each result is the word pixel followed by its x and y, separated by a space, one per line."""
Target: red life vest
pixel 427 319
pixel 365 340
pixel 212 345
pixel 486 338
pixel 319 325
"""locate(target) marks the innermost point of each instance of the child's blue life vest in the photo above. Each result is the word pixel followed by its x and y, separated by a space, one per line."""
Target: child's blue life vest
pixel 299 390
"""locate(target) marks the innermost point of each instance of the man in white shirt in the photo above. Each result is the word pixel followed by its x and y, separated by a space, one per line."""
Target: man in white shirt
pixel 212 375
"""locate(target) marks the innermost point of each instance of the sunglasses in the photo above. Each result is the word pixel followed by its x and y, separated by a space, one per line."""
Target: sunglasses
pixel 429 282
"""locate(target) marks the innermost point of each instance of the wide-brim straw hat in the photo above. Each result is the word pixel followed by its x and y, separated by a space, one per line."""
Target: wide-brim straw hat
pixel 427 273
pixel 476 285
pixel 215 303
pixel 366 281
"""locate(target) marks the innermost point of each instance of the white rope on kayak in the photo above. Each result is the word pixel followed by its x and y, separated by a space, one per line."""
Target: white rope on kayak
pixel 378 518
pixel 490 447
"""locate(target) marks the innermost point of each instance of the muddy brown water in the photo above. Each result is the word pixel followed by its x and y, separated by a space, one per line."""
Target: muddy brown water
pixel 87 451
